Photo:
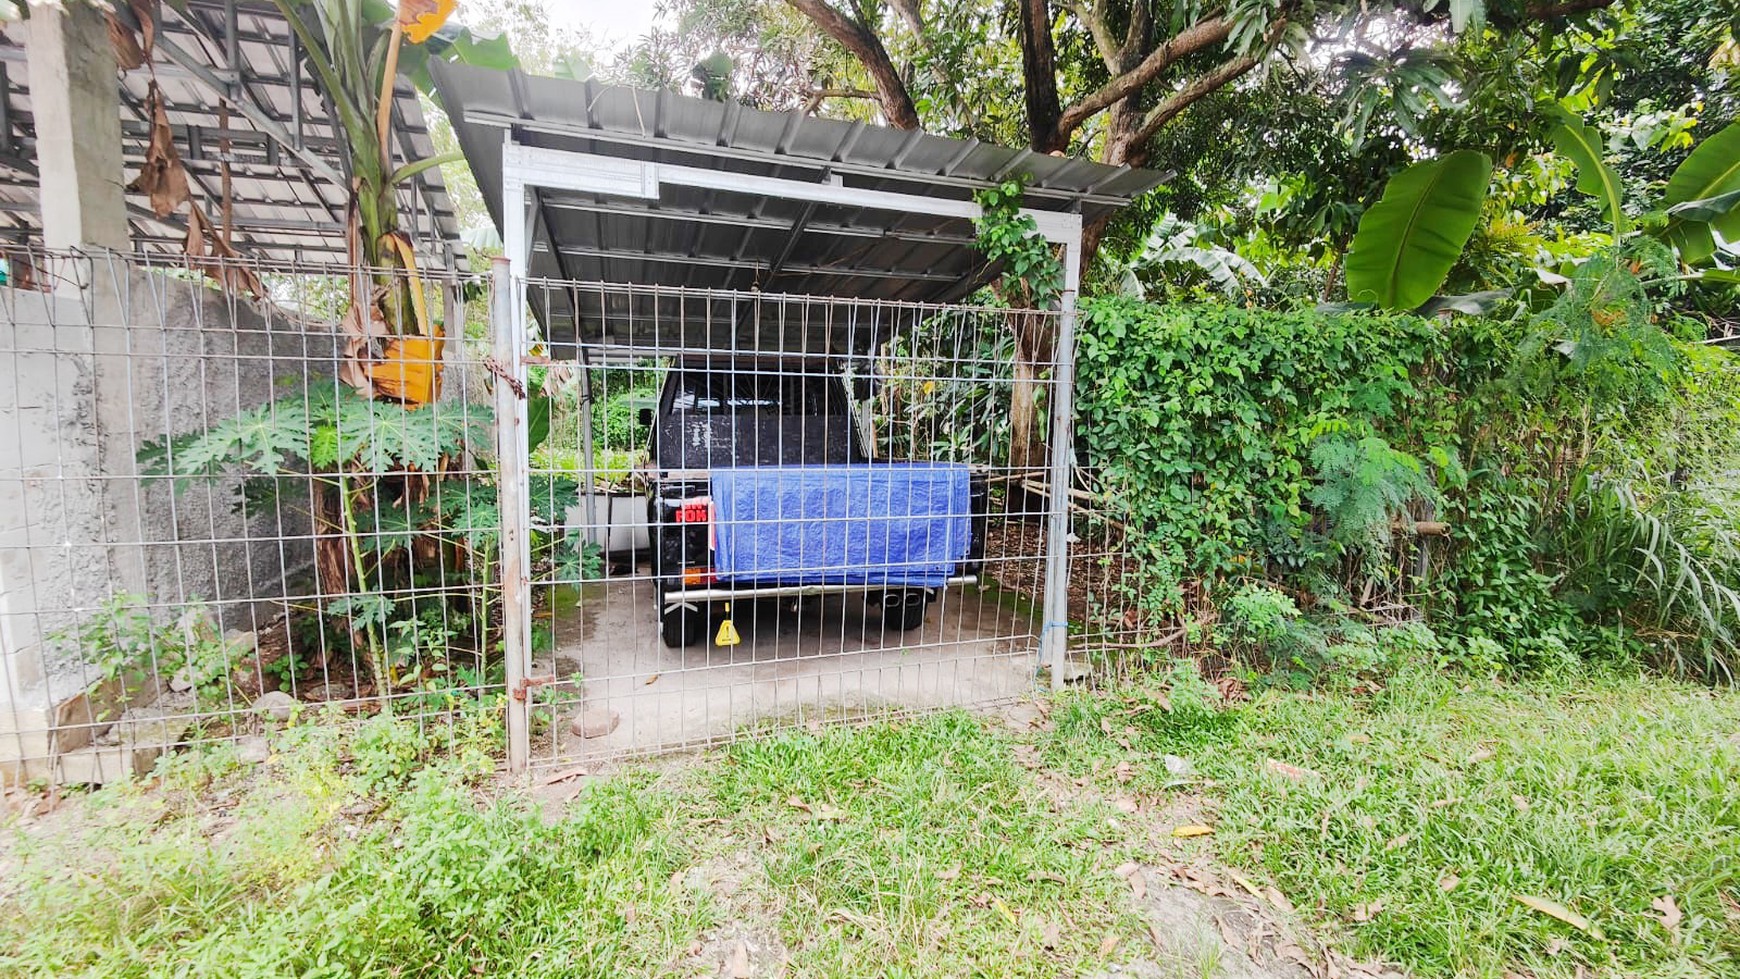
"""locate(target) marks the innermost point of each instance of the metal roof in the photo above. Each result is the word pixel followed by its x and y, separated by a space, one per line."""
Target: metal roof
pixel 721 239
pixel 288 190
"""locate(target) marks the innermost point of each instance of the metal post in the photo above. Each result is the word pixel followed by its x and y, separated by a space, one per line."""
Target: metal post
pixel 1054 637
pixel 588 455
pixel 507 330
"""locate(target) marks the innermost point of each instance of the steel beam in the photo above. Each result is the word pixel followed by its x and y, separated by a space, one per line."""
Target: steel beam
pixel 577 131
pixel 592 173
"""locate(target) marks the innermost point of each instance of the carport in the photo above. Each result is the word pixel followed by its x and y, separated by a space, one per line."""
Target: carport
pixel 642 225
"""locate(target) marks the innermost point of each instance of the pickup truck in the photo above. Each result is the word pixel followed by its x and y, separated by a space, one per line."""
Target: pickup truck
pixel 762 488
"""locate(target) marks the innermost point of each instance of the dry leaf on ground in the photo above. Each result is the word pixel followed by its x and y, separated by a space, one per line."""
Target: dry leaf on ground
pixel 1285 770
pixel 1366 910
pixel 1669 910
pixel 1554 909
pixel 1052 936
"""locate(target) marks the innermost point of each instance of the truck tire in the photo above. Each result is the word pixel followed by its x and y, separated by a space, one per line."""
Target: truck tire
pixel 682 627
pixel 904 610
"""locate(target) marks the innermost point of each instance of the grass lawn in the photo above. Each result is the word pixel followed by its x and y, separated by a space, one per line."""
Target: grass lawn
pixel 1402 825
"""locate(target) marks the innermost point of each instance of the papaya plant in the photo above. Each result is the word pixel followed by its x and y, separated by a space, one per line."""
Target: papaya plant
pixel 406 519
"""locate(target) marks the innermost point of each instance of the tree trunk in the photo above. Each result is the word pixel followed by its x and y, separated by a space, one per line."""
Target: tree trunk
pixel 1035 343
pixel 1039 78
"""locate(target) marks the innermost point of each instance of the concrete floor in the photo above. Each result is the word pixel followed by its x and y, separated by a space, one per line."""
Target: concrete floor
pixel 828 658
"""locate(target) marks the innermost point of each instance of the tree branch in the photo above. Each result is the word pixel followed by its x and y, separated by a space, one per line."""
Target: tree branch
pixel 1178 101
pixel 1545 11
pixel 1196 37
pixel 1039 72
pixel 864 45
pixel 1095 22
pixel 1221 75
pixel 814 98
pixel 1136 37
pixel 909 12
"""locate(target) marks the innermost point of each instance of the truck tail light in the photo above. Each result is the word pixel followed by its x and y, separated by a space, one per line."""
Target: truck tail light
pixel 696 510
pixel 698 576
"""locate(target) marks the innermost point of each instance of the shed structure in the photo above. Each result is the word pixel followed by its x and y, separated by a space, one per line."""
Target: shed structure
pixel 643 224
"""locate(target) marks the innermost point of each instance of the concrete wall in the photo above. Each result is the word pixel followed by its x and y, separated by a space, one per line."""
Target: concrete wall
pixel 85 379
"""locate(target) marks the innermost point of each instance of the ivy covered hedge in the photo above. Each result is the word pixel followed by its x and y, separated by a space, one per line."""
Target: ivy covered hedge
pixel 1222 427
pixel 1290 449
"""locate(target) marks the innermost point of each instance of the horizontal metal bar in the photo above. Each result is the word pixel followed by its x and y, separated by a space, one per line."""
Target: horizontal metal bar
pixel 796 591
pixel 747 221
pixel 536 166
pixel 580 131
pixel 710 261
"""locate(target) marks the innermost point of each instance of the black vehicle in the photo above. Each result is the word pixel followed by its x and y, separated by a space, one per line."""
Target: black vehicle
pixel 721 423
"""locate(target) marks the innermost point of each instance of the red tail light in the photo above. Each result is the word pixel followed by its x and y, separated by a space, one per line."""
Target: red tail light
pixel 697 510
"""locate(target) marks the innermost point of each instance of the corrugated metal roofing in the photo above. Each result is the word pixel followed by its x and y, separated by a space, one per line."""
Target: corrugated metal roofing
pixel 284 208
pixel 726 240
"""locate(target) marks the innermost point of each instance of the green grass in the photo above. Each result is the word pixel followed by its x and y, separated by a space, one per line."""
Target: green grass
pixel 926 847
pixel 311 880
pixel 919 849
pixel 1430 807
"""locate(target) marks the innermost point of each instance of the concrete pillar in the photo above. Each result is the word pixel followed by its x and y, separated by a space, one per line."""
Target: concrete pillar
pixel 68 414
pixel 75 100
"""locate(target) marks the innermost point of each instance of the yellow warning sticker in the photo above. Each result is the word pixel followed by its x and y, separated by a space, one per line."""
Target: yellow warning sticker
pixel 727 634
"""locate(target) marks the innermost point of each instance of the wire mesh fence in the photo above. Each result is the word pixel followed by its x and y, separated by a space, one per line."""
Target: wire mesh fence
pixel 207 528
pixel 223 507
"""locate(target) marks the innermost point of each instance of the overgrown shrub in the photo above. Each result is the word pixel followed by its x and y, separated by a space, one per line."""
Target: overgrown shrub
pixel 1250 442
pixel 1584 458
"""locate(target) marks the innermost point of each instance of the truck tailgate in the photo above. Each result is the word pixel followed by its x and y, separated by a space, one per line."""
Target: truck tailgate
pixel 893 523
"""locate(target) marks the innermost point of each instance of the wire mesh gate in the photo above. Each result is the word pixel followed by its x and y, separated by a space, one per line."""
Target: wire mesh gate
pixel 775 509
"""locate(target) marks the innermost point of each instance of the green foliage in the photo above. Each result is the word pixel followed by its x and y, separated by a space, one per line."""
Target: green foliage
pixel 317 432
pixel 1360 485
pixel 385 463
pixel 353 854
pixel 1710 172
pixel 1204 420
pixel 1410 238
pixel 1032 274
pixel 1433 803
pixel 129 643
pixel 1582 145
pixel 1655 565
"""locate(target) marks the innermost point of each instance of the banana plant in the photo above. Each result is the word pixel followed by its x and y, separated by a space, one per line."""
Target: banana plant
pixel 1408 241
pixel 1176 243
pixel 357 49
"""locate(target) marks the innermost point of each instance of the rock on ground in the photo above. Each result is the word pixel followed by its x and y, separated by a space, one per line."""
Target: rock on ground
pixel 595 722
pixel 276 705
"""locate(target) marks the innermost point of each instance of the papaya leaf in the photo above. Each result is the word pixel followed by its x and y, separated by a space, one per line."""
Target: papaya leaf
pixel 1581 144
pixel 1409 239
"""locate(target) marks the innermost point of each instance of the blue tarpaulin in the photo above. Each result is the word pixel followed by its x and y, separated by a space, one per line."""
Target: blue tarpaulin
pixel 890 523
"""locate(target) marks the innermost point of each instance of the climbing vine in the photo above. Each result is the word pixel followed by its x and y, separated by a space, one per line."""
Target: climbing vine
pixel 1032 275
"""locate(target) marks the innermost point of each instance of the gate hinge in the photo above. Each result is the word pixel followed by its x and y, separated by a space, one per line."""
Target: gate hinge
pixel 529 683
